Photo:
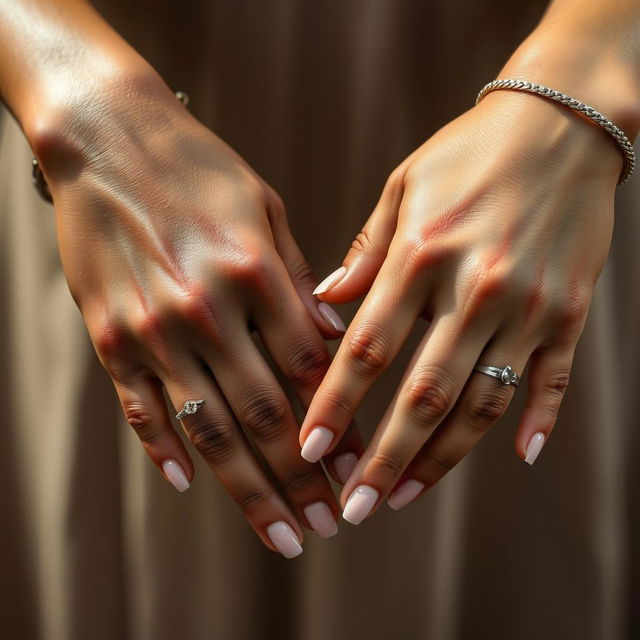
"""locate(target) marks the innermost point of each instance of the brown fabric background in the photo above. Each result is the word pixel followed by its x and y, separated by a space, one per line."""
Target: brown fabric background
pixel 323 99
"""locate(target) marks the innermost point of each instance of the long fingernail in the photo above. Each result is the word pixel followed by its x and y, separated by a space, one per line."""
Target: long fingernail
pixel 405 493
pixel 176 475
pixel 321 519
pixel 331 280
pixel 359 504
pixel 316 444
pixel 344 464
pixel 534 447
pixel 284 539
pixel 332 317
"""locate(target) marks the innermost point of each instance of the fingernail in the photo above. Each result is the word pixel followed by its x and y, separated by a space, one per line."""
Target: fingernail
pixel 405 493
pixel 332 317
pixel 284 539
pixel 330 280
pixel 344 464
pixel 534 447
pixel 359 504
pixel 316 444
pixel 176 475
pixel 321 519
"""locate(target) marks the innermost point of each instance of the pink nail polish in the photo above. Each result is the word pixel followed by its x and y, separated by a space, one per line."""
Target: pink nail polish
pixel 316 444
pixel 404 494
pixel 331 317
pixel 176 475
pixel 344 464
pixel 534 447
pixel 321 519
pixel 359 504
pixel 284 539
pixel 331 280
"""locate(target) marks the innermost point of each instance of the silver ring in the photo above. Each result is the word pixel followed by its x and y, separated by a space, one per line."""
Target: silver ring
pixel 190 406
pixel 505 375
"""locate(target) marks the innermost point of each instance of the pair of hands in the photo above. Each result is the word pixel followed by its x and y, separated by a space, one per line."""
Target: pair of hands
pixel 495 231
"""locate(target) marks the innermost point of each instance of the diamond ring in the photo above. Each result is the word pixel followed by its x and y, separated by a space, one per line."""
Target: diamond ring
pixel 506 375
pixel 190 406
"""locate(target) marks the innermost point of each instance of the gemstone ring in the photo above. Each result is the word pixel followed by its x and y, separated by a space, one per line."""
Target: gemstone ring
pixel 505 375
pixel 190 406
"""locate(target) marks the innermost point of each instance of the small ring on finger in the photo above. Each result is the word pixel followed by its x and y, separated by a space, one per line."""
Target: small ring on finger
pixel 505 375
pixel 190 406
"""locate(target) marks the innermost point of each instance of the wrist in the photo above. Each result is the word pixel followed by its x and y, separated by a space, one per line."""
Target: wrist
pixel 593 70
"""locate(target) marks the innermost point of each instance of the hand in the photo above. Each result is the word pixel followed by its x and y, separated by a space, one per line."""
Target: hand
pixel 175 250
pixel 495 230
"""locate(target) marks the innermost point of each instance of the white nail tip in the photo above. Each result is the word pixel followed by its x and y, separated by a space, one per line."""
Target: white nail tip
pixel 316 444
pixel 331 280
pixel 344 464
pixel 284 539
pixel 405 494
pixel 534 447
pixel 359 504
pixel 321 519
pixel 176 475
pixel 331 317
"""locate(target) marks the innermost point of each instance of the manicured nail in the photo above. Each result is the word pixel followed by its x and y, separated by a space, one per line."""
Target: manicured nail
pixel 332 317
pixel 321 519
pixel 359 504
pixel 344 464
pixel 405 493
pixel 331 280
pixel 534 447
pixel 176 475
pixel 316 444
pixel 284 539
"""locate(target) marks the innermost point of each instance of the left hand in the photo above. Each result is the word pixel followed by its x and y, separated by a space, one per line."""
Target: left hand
pixel 495 230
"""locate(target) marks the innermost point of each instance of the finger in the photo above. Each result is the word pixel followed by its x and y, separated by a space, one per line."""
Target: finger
pixel 302 356
pixel 304 280
pixel 369 249
pixel 483 401
pixel 371 342
pixel 145 410
pixel 429 390
pixel 214 432
pixel 547 382
pixel 263 411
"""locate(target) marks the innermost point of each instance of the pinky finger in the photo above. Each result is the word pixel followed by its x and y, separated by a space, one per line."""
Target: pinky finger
pixel 548 379
pixel 145 410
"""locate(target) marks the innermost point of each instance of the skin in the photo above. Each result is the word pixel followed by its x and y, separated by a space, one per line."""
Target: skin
pixel 495 231
pixel 174 250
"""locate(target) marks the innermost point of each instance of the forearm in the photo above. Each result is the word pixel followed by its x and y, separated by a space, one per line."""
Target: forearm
pixel 53 52
pixel 589 50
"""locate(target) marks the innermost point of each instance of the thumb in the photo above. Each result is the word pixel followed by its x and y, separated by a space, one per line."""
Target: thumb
pixel 302 276
pixel 369 249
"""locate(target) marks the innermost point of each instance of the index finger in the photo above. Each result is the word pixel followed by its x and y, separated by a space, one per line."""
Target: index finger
pixel 372 341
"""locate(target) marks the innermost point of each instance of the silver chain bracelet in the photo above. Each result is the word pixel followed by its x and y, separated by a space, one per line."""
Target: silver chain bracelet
pixel 618 135
pixel 39 181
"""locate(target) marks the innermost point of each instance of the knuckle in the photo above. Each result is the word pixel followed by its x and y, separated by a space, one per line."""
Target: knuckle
pixel 570 311
pixel 264 414
pixel 295 482
pixel 253 498
pixel 369 350
pixel 148 326
pixel 302 273
pixel 486 408
pixel 252 267
pixel 442 463
pixel 556 384
pixel 395 180
pixel 199 309
pixel 140 420
pixel 336 402
pixel 362 243
pixel 429 395
pixel 110 338
pixel 387 462
pixel 423 253
pixel 308 362
pixel 212 435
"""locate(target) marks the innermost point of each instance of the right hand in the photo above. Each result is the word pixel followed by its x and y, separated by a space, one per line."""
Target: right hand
pixel 174 250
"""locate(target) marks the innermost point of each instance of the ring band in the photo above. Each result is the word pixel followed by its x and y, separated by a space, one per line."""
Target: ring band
pixel 505 375
pixel 190 406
